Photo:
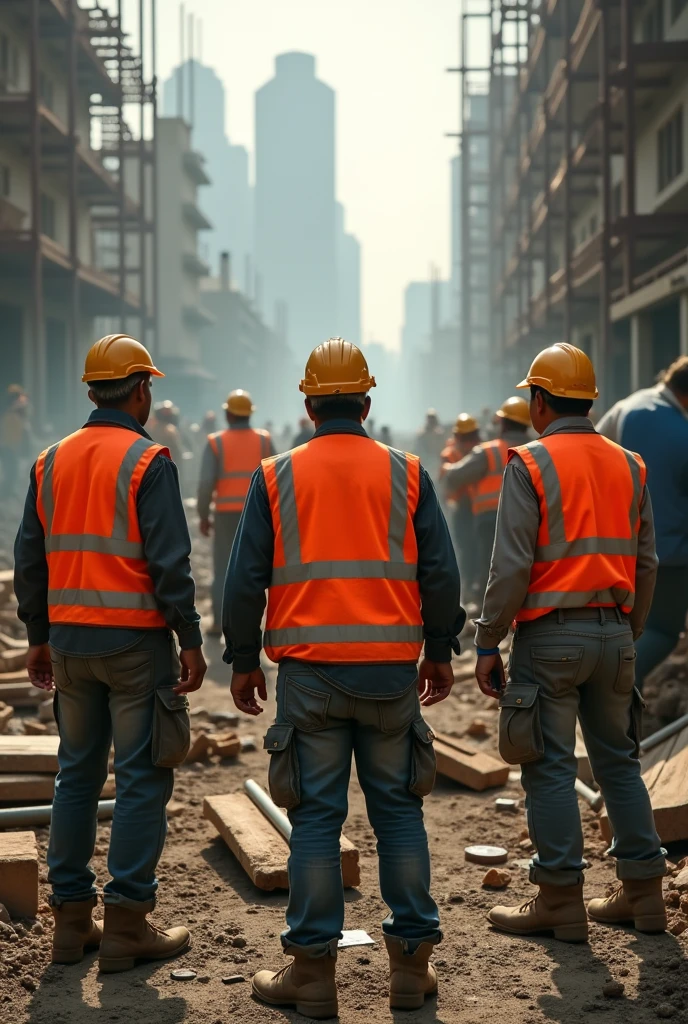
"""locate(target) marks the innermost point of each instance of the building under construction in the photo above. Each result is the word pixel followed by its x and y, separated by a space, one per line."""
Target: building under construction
pixel 73 241
pixel 574 185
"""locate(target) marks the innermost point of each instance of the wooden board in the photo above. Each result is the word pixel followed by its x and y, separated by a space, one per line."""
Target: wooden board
pixel 28 754
pixel 260 849
pixel 467 765
pixel 21 695
pixel 10 641
pixel 28 788
pixel 665 772
pixel 13 677
pixel 584 769
pixel 13 659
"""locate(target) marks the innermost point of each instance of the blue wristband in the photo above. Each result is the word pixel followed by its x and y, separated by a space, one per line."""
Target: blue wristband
pixel 484 652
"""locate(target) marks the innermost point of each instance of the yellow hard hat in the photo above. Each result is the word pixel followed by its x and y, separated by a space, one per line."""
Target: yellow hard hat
pixel 563 370
pixel 239 403
pixel 336 368
pixel 515 409
pixel 466 424
pixel 118 356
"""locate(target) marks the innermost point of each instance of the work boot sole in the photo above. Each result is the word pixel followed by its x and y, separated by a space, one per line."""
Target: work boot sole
pixel 652 924
pixel 72 956
pixel 563 932
pixel 116 964
pixel 317 1011
pixel 410 1000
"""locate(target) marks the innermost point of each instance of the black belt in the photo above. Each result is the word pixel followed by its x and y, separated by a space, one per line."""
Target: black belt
pixel 562 615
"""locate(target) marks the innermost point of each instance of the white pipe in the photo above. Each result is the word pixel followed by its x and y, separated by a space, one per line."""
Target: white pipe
pixel 596 800
pixel 12 816
pixel 269 809
pixel 663 734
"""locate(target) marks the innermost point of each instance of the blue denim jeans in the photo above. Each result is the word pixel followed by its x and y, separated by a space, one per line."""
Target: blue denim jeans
pixel 329 726
pixel 100 701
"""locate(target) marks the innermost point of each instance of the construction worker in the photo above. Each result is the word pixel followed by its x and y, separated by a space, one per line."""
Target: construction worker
pixel 14 436
pixel 574 565
pixel 230 459
pixel 430 442
pixel 163 428
pixel 481 471
pixel 348 537
pixel 654 423
pixel 465 437
pixel 102 578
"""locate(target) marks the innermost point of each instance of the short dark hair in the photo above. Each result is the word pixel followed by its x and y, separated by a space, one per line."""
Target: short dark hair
pixel 676 377
pixel 109 394
pixel 563 406
pixel 338 407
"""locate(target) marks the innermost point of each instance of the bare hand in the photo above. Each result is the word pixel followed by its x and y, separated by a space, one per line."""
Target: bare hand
pixel 244 686
pixel 205 526
pixel 435 680
pixel 484 667
pixel 40 667
pixel 194 669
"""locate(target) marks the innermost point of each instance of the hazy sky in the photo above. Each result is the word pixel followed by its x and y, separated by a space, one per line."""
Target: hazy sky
pixel 386 59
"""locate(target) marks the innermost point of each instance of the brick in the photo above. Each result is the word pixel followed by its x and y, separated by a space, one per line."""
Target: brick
pixel 19 873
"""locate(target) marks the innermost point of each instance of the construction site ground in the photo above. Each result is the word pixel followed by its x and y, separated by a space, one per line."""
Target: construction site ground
pixel 483 976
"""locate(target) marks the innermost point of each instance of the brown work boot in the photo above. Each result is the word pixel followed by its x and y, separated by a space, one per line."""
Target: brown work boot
pixel 556 908
pixel 637 902
pixel 411 977
pixel 129 936
pixel 307 983
pixel 75 931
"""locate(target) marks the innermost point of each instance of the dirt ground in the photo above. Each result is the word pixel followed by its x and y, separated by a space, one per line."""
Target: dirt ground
pixel 483 975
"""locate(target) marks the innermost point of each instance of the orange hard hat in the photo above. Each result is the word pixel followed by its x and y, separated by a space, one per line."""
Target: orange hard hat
pixel 336 368
pixel 563 370
pixel 239 403
pixel 515 409
pixel 118 356
pixel 466 424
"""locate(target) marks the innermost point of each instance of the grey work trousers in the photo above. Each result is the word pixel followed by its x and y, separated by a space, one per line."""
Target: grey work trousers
pixel 225 527
pixel 583 668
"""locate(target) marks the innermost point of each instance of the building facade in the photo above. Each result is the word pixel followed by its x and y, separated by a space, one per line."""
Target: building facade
pixel 348 323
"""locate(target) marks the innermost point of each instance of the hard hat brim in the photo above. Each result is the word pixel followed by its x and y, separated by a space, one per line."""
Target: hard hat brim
pixel 542 382
pixel 226 407
pixel 343 388
pixel 112 375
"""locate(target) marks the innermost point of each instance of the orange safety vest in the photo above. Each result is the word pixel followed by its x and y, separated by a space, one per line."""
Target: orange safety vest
pixel 589 491
pixel 485 494
pixel 239 454
pixel 87 487
pixel 344 582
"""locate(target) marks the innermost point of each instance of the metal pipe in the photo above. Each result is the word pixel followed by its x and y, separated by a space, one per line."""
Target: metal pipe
pixel 663 734
pixel 596 800
pixel 11 817
pixel 268 808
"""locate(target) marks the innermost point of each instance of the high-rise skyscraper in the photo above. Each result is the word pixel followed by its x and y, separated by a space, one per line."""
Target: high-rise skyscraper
pixel 295 199
pixel 200 100
pixel 348 324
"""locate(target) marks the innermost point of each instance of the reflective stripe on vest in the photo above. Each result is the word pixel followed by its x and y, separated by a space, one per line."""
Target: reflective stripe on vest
pixel 90 480
pixel 239 453
pixel 307 592
pixel 596 475
pixel 485 493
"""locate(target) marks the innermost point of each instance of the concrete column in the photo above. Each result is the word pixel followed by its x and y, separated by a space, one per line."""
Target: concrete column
pixel 683 323
pixel 641 351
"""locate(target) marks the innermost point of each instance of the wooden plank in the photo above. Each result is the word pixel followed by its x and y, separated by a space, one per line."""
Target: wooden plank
pixel 15 676
pixel 13 659
pixel 19 873
pixel 584 769
pixel 260 849
pixel 21 695
pixel 28 788
pixel 465 764
pixel 7 576
pixel 29 754
pixel 10 641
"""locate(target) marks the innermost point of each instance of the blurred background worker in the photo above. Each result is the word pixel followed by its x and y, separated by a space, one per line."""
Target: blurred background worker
pixel 482 470
pixel 574 565
pixel 465 437
pixel 164 428
pixel 230 459
pixel 654 423
pixel 14 436
pixel 348 537
pixel 429 443
pixel 102 577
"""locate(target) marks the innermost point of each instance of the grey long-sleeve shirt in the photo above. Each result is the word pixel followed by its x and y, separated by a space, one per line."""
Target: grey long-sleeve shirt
pixel 474 466
pixel 167 548
pixel 518 522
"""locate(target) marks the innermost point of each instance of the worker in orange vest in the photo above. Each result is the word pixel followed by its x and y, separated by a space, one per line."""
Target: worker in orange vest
pixel 230 459
pixel 103 580
pixel 481 471
pixel 347 536
pixel 465 437
pixel 574 566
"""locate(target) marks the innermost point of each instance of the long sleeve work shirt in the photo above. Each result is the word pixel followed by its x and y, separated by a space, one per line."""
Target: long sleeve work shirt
pixel 210 473
pixel 474 466
pixel 518 523
pixel 250 572
pixel 167 548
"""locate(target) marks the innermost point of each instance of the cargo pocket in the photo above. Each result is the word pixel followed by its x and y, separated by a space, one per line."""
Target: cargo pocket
pixel 283 775
pixel 424 762
pixel 520 733
pixel 556 668
pixel 625 676
pixel 60 677
pixel 305 708
pixel 171 728
pixel 638 705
